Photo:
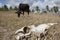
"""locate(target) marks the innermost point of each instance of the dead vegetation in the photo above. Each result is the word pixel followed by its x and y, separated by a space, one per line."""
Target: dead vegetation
pixel 9 23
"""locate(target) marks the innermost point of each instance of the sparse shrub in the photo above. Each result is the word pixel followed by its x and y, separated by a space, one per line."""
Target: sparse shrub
pixel 55 8
pixel 37 8
pixel 32 10
pixel 47 7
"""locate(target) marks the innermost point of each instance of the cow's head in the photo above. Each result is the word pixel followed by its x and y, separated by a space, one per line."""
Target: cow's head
pixel 26 29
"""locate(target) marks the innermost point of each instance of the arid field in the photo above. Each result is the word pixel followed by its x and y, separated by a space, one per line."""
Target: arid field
pixel 9 23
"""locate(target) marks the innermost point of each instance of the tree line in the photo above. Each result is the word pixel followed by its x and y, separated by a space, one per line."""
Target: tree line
pixel 55 9
pixel 5 8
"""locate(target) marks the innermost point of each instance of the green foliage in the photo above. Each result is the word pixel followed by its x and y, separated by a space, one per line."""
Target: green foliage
pixel 4 8
pixel 15 8
pixel 55 8
pixel 37 8
pixel 47 7
pixel 1 9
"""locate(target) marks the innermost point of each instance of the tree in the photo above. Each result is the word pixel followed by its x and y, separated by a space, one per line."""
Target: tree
pixel 11 8
pixel 55 8
pixel 47 7
pixel 37 8
pixel 15 8
pixel 5 8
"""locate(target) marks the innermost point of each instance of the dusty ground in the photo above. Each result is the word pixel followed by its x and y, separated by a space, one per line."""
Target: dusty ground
pixel 9 23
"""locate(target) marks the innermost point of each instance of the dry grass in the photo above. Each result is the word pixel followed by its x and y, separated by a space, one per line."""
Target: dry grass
pixel 9 22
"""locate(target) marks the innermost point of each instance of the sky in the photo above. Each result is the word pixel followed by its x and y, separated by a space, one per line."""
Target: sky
pixel 32 3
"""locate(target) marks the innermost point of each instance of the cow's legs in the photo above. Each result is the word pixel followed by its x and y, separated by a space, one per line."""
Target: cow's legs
pixel 28 12
pixel 18 14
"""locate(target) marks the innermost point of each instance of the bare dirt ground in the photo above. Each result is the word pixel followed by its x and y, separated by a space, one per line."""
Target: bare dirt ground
pixel 9 23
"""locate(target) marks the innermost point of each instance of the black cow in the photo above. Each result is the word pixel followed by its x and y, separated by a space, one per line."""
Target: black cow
pixel 23 8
